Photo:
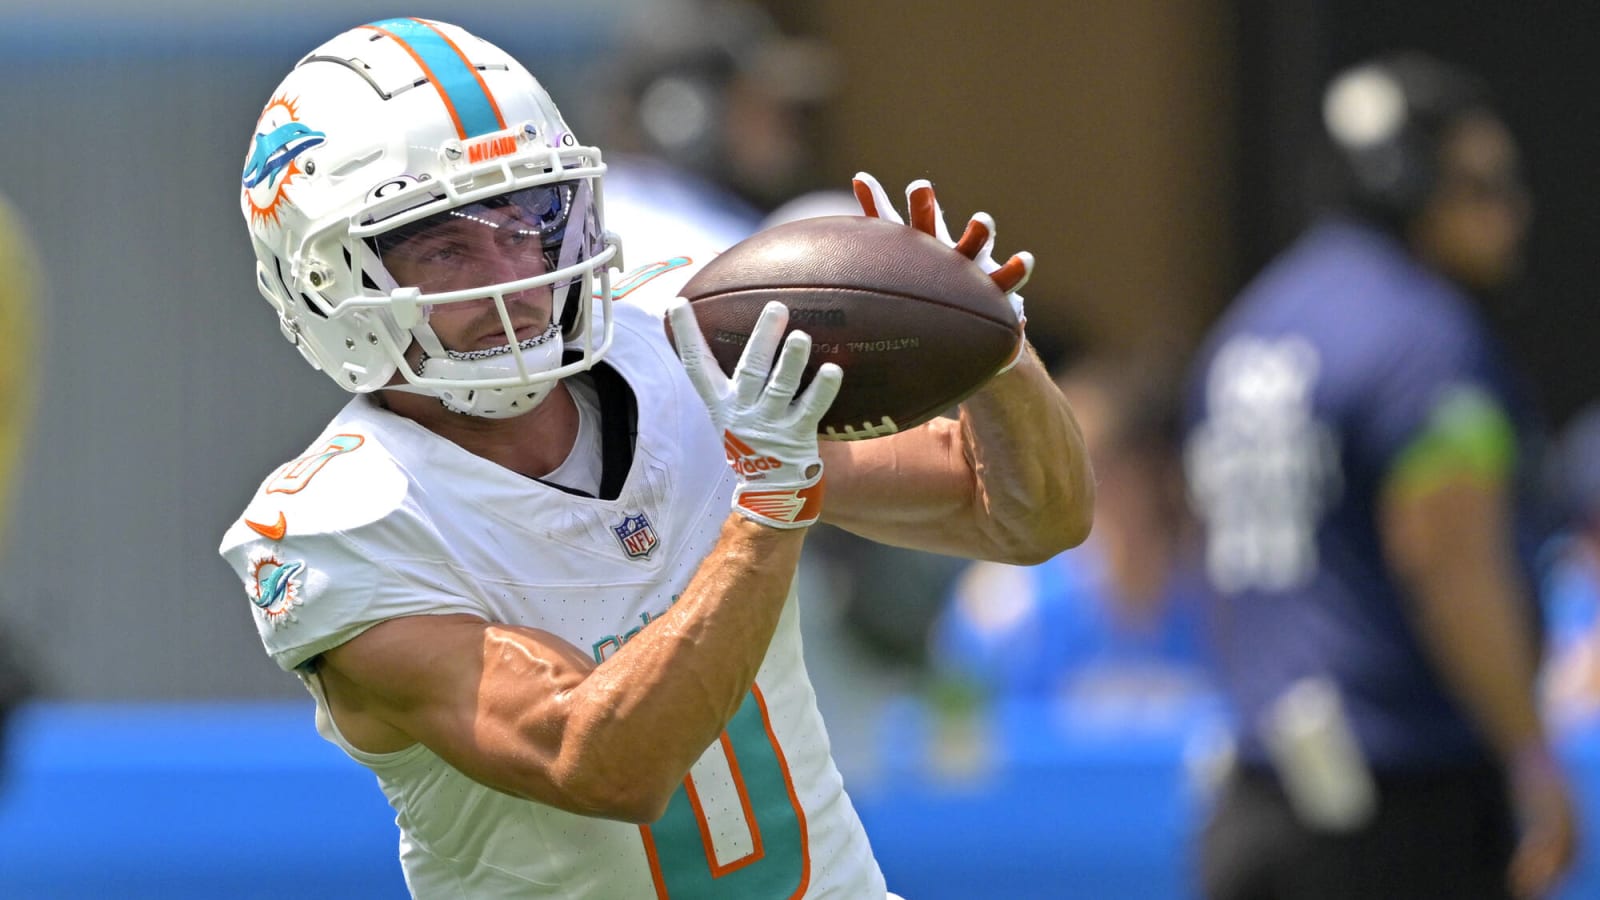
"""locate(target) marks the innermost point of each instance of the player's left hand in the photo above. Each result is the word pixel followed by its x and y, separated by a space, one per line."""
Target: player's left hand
pixel 976 242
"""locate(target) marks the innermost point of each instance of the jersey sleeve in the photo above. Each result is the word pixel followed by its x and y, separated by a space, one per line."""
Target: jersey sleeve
pixel 1434 407
pixel 308 595
pixel 324 557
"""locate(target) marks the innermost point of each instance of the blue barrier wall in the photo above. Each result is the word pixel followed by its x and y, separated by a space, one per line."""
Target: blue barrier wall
pixel 246 801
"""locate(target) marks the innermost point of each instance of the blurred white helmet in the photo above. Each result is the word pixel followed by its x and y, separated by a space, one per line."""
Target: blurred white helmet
pixel 395 131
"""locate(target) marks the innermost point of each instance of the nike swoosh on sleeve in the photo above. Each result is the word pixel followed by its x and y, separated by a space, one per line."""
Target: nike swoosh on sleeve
pixel 273 532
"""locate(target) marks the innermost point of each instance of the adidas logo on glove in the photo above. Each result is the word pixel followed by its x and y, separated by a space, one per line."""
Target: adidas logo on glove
pixel 744 459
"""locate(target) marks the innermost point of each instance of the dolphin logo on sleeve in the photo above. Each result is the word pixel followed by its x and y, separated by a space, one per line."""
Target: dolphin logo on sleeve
pixel 274 586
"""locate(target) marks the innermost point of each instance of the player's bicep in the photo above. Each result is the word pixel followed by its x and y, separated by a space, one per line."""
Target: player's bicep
pixel 489 699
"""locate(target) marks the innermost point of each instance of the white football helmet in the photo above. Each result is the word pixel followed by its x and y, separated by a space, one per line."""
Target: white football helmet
pixel 402 126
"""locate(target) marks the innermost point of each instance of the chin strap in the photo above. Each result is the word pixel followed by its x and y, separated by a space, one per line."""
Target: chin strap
pixel 540 353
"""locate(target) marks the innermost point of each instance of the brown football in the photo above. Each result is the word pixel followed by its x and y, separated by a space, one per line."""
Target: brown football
pixel 916 326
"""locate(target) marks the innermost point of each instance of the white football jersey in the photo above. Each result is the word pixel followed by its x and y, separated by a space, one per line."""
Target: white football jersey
pixel 382 518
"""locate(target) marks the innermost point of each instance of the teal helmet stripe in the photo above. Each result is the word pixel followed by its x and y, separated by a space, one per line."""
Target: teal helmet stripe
pixel 464 94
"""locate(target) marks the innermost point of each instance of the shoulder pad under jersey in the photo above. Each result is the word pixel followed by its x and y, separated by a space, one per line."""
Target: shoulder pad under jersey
pixel 325 547
pixel 344 480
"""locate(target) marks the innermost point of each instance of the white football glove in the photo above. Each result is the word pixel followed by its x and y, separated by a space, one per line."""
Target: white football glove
pixel 976 242
pixel 769 435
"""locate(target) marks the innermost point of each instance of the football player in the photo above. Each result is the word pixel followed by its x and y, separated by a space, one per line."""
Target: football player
pixel 518 572
pixel 1363 453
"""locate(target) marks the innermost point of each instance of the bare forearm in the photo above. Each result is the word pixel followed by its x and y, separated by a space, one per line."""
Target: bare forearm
pixel 653 708
pixel 1483 646
pixel 1034 486
pixel 1008 481
pixel 1448 539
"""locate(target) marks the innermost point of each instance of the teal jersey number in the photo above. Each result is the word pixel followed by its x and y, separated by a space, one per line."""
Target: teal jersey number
pixel 682 859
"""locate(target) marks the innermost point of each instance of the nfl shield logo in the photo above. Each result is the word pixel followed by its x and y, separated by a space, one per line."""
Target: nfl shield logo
pixel 636 536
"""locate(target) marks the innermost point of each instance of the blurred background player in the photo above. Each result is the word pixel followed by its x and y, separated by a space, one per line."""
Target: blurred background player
pixel 708 124
pixel 1363 457
pixel 1113 628
pixel 18 266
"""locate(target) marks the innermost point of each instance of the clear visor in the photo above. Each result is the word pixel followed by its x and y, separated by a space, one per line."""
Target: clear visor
pixel 512 237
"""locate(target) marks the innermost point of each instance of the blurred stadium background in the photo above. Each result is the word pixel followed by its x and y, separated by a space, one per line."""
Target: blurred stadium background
pixel 1147 152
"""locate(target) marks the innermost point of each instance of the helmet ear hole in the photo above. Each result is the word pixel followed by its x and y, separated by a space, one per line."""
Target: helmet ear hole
pixel 313 308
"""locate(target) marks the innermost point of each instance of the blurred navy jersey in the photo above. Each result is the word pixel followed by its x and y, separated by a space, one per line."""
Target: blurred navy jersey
pixel 1340 359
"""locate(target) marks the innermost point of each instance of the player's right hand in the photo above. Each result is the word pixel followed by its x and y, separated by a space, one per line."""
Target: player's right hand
pixel 976 242
pixel 770 435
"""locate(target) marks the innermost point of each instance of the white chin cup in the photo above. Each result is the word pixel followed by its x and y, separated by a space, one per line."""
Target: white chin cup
pixel 538 355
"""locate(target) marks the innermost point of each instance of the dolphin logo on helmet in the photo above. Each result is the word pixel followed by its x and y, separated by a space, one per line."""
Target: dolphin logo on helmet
pixel 275 150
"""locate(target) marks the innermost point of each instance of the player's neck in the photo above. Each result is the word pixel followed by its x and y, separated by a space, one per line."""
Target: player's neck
pixel 534 444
